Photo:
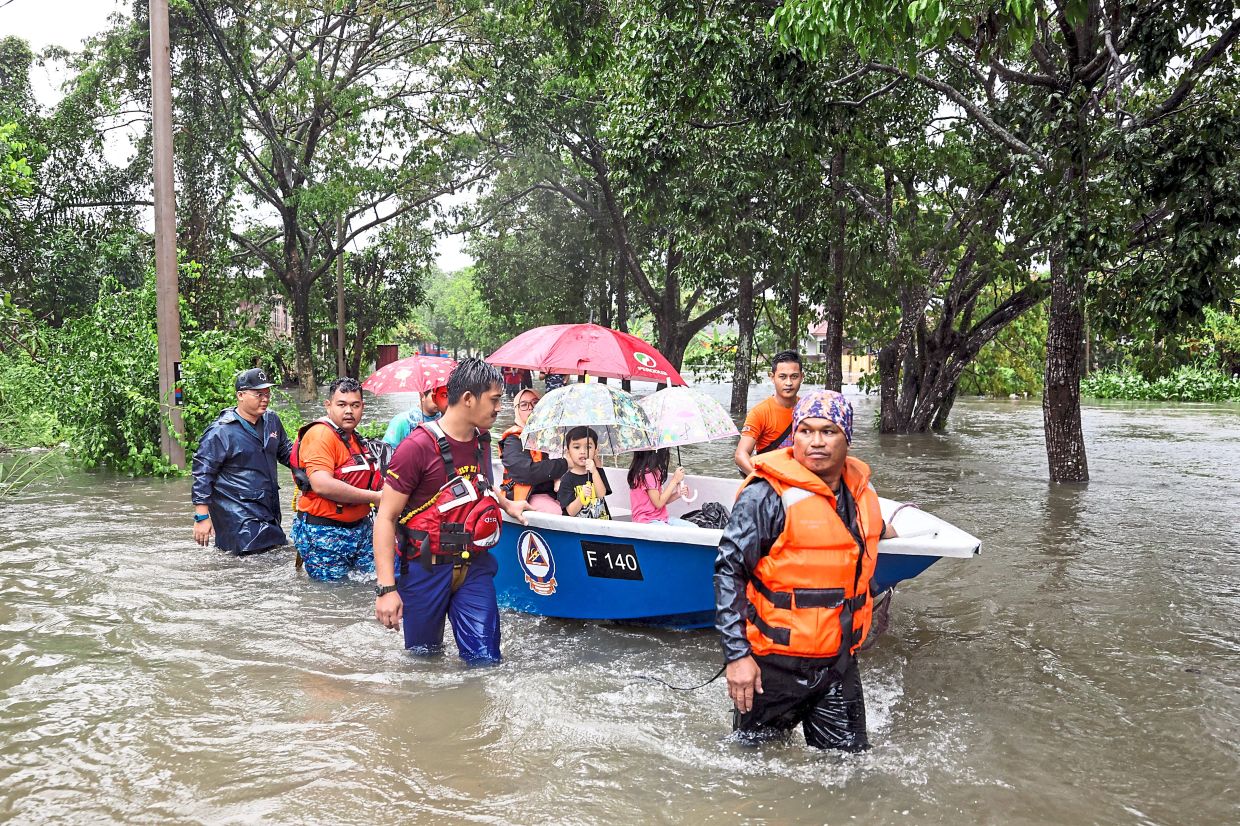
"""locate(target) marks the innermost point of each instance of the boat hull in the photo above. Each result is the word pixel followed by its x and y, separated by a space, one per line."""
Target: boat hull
pixel 617 570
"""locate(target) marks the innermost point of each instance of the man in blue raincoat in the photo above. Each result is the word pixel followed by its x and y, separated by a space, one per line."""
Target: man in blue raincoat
pixel 236 492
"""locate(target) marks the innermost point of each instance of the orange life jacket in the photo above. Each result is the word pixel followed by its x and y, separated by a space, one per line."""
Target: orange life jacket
pixel 809 597
pixel 513 490
pixel 364 468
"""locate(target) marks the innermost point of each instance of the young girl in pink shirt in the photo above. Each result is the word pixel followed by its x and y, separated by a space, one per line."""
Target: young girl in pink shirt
pixel 650 489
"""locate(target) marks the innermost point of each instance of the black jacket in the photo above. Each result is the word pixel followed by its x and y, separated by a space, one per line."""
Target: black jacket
pixel 235 477
pixel 523 470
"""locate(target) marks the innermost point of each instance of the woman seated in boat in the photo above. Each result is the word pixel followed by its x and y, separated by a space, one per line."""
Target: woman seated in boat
pixel 528 474
pixel 651 490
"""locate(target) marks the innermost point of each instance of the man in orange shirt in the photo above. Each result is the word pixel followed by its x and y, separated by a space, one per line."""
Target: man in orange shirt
pixel 339 479
pixel 769 425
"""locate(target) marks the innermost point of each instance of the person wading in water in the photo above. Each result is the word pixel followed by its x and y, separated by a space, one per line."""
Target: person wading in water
pixel 441 513
pixel 769 425
pixel 236 492
pixel 792 583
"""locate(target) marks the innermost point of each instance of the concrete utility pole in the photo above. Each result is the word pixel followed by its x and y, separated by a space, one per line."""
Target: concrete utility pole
pixel 167 309
pixel 340 366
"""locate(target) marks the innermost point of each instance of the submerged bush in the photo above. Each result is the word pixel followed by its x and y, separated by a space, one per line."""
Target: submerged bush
pixel 1191 383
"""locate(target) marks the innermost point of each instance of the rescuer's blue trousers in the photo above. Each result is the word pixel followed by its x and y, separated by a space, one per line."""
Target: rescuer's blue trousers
pixel 429 599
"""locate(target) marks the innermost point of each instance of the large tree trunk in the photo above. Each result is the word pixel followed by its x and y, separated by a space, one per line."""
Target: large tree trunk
pixel 888 387
pixel 833 353
pixel 744 346
pixel 299 289
pixel 1061 398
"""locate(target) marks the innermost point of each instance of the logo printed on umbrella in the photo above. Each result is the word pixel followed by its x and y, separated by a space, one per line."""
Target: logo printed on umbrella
pixel 534 557
pixel 646 361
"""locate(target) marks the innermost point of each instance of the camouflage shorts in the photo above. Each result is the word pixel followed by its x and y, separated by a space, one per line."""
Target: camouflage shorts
pixel 331 551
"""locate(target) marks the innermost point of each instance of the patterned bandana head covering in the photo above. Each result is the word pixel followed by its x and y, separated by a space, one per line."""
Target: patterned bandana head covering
pixel 825 404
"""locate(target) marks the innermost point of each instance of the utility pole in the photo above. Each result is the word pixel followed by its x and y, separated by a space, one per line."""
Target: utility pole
pixel 167 307
pixel 340 367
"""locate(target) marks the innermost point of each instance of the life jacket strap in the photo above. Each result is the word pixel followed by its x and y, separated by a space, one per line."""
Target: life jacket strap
pixel 848 635
pixel 800 597
pixel 774 633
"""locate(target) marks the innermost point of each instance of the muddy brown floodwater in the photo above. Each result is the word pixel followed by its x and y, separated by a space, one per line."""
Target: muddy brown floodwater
pixel 1084 669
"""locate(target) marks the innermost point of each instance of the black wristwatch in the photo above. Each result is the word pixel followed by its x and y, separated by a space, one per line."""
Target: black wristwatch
pixel 380 590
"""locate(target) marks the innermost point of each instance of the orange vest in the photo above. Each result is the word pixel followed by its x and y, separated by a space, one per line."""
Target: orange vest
pixel 809 597
pixel 512 490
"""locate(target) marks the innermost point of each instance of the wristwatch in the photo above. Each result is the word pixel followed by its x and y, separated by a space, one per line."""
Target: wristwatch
pixel 201 517
pixel 380 590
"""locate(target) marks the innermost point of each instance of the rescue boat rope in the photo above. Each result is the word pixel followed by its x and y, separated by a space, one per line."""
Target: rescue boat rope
pixel 681 687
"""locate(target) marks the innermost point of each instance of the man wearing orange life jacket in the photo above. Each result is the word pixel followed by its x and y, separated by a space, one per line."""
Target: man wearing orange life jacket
pixel 528 474
pixel 792 583
pixel 340 479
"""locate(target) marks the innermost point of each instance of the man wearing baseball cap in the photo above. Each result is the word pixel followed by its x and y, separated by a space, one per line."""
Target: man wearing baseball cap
pixel 236 492
pixel 792 583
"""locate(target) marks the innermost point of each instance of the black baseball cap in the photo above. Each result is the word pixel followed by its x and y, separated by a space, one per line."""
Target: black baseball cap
pixel 253 379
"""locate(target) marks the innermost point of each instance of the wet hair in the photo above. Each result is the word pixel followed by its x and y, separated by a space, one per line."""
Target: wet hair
pixel 649 461
pixel 580 432
pixel 785 357
pixel 472 375
pixel 344 384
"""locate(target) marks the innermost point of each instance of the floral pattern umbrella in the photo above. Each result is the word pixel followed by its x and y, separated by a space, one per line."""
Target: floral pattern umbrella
pixel 415 374
pixel 616 417
pixel 685 416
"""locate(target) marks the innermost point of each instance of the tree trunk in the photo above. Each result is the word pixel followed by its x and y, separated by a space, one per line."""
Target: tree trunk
pixel 833 352
pixel 939 424
pixel 888 387
pixel 299 289
pixel 1061 398
pixel 794 304
pixel 622 296
pixel 744 346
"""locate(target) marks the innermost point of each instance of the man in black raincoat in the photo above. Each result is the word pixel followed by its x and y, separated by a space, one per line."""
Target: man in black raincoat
pixel 236 492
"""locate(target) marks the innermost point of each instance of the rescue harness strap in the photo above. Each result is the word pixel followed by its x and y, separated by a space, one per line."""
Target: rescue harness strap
pixel 452 535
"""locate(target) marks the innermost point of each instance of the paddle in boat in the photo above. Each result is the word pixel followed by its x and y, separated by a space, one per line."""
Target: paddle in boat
pixel 593 569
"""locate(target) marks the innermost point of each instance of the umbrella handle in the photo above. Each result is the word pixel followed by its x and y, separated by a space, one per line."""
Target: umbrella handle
pixel 689 500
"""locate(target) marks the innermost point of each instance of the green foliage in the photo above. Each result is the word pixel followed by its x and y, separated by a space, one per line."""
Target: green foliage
pixel 1218 340
pixel 16 475
pixel 95 381
pixel 1014 362
pixel 711 357
pixel 1190 383
pixel 15 172
pixel 459 318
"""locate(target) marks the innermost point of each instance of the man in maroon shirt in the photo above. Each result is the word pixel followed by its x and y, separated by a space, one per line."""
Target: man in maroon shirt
pixel 434 582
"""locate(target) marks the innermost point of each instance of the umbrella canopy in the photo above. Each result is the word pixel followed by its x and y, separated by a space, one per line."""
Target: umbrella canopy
pixel 416 374
pixel 615 416
pixel 586 348
pixel 685 416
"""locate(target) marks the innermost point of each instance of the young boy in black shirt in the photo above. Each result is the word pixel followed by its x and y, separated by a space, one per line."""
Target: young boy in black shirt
pixel 584 487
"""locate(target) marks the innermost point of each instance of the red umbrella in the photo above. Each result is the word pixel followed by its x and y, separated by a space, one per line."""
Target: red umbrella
pixel 586 348
pixel 416 374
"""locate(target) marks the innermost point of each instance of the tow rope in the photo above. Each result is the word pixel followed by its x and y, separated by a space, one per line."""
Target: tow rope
pixel 681 687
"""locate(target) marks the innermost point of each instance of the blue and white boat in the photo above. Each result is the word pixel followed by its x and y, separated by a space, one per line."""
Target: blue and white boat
pixel 591 569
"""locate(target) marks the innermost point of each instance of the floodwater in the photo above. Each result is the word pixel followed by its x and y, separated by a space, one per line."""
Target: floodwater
pixel 1085 669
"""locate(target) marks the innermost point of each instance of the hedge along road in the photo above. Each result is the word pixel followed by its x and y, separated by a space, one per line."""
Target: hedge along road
pixel 1084 669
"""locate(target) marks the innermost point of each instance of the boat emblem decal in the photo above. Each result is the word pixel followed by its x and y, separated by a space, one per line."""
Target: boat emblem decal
pixel 535 559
